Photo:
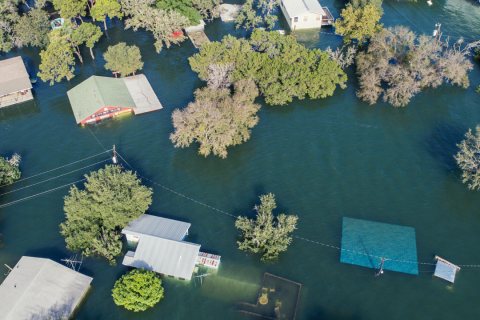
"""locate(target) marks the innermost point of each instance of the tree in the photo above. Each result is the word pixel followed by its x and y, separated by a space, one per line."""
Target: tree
pixel 104 8
pixel 280 67
pixel 247 17
pixel 138 290
pixel 70 8
pixel 57 60
pixel 468 158
pixel 87 33
pixel 209 9
pixel 33 28
pixel 264 235
pixel 358 24
pixel 96 215
pixel 405 63
pixel 123 58
pixel 217 120
pixel 341 57
pixel 360 4
pixel 8 18
pixel 183 7
pixel 9 171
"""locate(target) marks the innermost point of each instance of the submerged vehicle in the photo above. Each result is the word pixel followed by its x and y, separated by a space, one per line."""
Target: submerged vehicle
pixel 57 23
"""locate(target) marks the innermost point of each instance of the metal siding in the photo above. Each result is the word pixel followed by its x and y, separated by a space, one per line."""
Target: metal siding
pixel 157 227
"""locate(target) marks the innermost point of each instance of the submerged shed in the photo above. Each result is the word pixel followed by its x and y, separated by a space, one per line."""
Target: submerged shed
pixel 15 85
pixel 445 269
pixel 38 288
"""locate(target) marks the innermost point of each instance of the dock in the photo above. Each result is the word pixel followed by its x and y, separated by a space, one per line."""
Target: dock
pixel 198 37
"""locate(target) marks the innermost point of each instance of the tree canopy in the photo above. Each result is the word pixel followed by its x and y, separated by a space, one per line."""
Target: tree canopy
pixel 217 119
pixel 97 214
pixel 57 60
pixel 9 171
pixel 33 28
pixel 138 290
pixel 121 57
pixel 468 158
pixel 104 8
pixel 281 68
pixel 70 8
pixel 360 4
pixel 405 63
pixel 184 7
pixel 264 235
pixel 8 19
pixel 358 23
pixel 87 33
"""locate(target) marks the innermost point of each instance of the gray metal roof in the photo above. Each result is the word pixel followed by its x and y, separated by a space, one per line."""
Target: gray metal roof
pixel 39 288
pixel 13 76
pixel 157 227
pixel 142 94
pixel 175 258
pixel 445 271
pixel 297 7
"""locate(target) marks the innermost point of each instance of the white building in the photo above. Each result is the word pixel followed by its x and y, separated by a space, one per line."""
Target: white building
pixel 160 247
pixel 306 14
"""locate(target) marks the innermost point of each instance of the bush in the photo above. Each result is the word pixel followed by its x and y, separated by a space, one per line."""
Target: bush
pixel 467 158
pixel 9 171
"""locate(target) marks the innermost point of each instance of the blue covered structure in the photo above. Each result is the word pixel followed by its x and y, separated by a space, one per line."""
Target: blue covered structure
pixel 364 243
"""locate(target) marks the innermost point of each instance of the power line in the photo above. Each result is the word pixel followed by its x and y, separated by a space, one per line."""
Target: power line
pixel 54 177
pixel 51 170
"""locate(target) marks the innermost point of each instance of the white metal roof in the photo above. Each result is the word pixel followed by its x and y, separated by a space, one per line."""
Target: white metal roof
pixel 39 288
pixel 297 7
pixel 175 258
pixel 157 227
pixel 445 271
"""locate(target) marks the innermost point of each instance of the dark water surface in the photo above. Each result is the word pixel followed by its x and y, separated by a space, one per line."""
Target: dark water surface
pixel 323 159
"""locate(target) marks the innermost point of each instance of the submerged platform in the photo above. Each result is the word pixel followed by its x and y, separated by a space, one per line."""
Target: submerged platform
pixel 198 38
pixel 364 243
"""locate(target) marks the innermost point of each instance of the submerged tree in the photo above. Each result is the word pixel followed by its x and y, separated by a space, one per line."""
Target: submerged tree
pixel 71 8
pixel 217 119
pixel 360 4
pixel 8 19
pixel 124 59
pixel 138 290
pixel 96 215
pixel 9 171
pixel 468 158
pixel 33 28
pixel 57 60
pixel 247 17
pixel 87 33
pixel 184 7
pixel 209 9
pixel 264 235
pixel 406 63
pixel 104 8
pixel 358 24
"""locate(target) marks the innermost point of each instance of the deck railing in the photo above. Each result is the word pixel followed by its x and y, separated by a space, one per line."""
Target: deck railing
pixel 327 19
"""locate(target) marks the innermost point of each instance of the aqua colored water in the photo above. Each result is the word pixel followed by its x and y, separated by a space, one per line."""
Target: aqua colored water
pixel 323 159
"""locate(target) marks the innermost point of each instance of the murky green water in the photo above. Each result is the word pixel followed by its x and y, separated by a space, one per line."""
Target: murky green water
pixel 323 159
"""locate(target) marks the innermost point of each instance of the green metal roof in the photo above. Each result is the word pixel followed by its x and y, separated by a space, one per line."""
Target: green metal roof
pixel 98 92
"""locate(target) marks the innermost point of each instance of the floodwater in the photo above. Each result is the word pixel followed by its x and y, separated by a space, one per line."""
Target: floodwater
pixel 323 159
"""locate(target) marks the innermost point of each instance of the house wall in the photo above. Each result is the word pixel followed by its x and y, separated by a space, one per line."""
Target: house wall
pixel 106 112
pixel 132 240
pixel 311 22
pixel 14 98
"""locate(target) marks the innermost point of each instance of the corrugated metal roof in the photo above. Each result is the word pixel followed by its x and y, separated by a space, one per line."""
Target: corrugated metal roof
pixel 13 76
pixel 445 271
pixel 297 7
pixel 142 94
pixel 175 258
pixel 96 93
pixel 157 227
pixel 39 288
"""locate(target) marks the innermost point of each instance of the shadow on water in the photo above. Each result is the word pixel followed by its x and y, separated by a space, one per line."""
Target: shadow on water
pixel 19 111
pixel 322 314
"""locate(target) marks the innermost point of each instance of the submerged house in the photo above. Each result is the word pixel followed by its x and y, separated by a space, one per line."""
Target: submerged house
pixel 99 98
pixel 306 14
pixel 38 288
pixel 15 85
pixel 159 247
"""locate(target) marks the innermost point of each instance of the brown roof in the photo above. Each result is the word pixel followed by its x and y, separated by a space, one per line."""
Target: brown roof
pixel 13 76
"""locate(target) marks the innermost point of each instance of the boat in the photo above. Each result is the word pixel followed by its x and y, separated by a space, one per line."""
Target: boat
pixel 57 23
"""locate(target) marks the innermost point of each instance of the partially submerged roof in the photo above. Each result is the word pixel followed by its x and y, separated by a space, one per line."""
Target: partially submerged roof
pixel 157 227
pixel 96 93
pixel 174 258
pixel 14 76
pixel 41 289
pixel 445 270
pixel 142 94
pixel 297 7
pixel 365 243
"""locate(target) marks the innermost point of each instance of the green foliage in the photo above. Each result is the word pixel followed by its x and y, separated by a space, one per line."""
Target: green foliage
pixel 209 9
pixel 33 28
pixel 358 24
pixel 247 17
pixel 138 290
pixel 468 160
pixel 9 171
pixel 57 60
pixel 121 57
pixel 217 120
pixel 87 33
pixel 70 8
pixel 97 214
pixel 8 18
pixel 264 235
pixel 104 8
pixel 361 4
pixel 184 7
pixel 281 68
pixel 477 53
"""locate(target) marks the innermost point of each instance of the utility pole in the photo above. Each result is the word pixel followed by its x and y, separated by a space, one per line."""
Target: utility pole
pixel 381 268
pixel 114 156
